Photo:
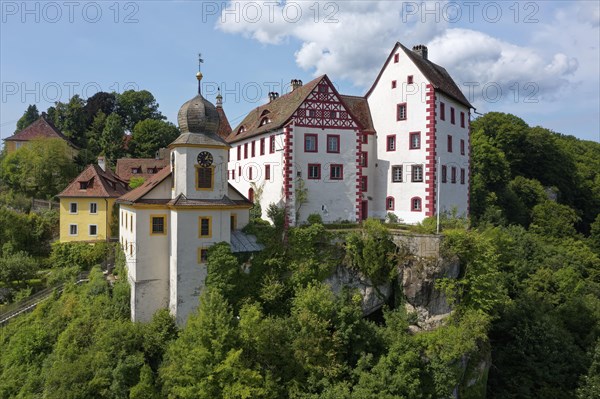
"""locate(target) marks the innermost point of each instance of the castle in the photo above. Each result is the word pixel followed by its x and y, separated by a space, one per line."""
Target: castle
pixel 401 149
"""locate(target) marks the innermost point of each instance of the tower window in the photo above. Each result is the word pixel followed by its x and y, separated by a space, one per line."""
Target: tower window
pixel 205 227
pixel 204 178
pixel 158 224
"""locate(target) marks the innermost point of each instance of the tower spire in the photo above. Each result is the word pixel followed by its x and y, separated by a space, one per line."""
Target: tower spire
pixel 199 74
pixel 219 98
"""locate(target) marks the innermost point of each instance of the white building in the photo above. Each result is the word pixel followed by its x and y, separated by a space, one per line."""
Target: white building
pixel 360 156
pixel 168 223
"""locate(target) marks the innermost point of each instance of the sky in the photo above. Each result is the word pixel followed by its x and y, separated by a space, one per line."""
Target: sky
pixel 539 60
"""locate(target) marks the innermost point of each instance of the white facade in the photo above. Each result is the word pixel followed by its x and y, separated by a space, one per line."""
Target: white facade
pixel 168 224
pixel 407 139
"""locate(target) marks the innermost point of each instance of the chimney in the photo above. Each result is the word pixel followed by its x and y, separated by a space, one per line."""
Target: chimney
pixel 420 49
pixel 161 153
pixel 102 163
pixel 295 84
pixel 273 96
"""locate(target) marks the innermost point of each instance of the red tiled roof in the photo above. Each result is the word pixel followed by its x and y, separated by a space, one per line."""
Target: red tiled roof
pixel 99 183
pixel 359 107
pixel 125 167
pixel 40 129
pixel 280 112
pixel 224 126
pixel 137 193
pixel 437 76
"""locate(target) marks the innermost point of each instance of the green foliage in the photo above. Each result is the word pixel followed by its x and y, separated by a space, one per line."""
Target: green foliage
pixel 514 165
pixel 79 254
pixel 31 115
pixel 135 182
pixel 111 139
pixel 31 233
pixel 595 235
pixel 224 272
pixel 554 220
pixel 372 252
pixel 136 106
pixel 70 119
pixel 41 169
pixel 16 268
pixel 314 218
pixel 150 135
pixel 391 217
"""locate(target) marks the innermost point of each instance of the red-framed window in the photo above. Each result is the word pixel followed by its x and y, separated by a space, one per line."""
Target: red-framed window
pixel 250 170
pixel 314 171
pixel 414 140
pixel 390 204
pixel 311 142
pixel 462 176
pixel 233 174
pixel 251 194
pixel 245 150
pixel 449 143
pixel 271 144
pixel 253 148
pixel 391 142
pixel 396 58
pixel 262 146
pixel 409 79
pixel 364 159
pixel 401 112
pixel 452 120
pixel 364 184
pixel 333 143
pixel 415 204
pixel 365 138
pixel 267 172
pixel 394 84
pixel 462 119
pixel 239 152
pixel 462 147
pixel 453 175
pixel 444 174
pixel 442 111
pixel 336 171
pixel 239 171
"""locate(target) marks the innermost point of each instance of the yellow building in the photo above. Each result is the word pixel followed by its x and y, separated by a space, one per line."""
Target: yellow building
pixel 40 129
pixel 87 205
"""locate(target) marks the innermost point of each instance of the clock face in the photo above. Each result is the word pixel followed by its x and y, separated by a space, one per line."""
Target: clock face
pixel 205 159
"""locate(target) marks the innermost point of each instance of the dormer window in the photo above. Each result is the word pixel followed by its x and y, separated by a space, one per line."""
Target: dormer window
pixel 83 185
pixel 264 121
pixel 242 129
pixel 137 170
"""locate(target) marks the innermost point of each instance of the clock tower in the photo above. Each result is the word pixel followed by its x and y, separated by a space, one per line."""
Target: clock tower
pixel 199 154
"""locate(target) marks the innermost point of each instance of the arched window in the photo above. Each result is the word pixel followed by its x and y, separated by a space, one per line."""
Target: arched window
pixel 415 204
pixel 251 194
pixel 264 121
pixel 389 203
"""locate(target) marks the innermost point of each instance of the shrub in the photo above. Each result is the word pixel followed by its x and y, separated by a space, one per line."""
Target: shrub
pixel 314 218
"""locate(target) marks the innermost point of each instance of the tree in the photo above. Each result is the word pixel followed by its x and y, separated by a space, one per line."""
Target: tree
pixel 135 182
pixel 16 268
pixel 595 235
pixel 554 220
pixel 136 106
pixel 31 115
pixel 111 140
pixel 71 119
pixel 100 102
pixel 41 169
pixel 150 135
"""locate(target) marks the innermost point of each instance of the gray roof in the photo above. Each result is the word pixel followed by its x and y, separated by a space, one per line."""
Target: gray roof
pixel 200 138
pixel 241 242
pixel 198 115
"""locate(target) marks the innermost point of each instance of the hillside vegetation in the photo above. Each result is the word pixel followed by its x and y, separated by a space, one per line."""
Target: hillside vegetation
pixel 528 298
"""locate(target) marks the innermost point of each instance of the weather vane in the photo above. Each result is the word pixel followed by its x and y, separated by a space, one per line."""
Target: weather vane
pixel 200 62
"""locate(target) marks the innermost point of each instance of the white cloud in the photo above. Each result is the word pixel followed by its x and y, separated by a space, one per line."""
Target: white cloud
pixel 353 47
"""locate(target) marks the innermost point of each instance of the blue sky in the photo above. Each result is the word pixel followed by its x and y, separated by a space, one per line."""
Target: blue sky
pixel 538 60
